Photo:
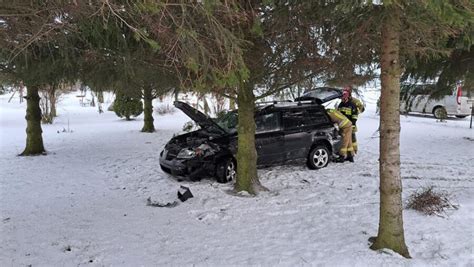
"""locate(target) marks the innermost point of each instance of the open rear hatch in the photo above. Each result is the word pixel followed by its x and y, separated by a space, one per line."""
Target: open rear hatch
pixel 322 94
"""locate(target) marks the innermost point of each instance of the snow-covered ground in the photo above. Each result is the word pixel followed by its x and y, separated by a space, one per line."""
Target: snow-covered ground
pixel 85 202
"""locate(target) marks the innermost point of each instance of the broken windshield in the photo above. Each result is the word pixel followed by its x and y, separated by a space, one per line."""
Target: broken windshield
pixel 227 121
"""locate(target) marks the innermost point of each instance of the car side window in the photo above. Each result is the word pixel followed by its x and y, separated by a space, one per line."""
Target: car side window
pixel 267 123
pixel 317 117
pixel 293 119
pixel 301 118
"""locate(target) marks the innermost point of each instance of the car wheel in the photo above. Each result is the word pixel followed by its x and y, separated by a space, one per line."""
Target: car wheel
pixel 439 113
pixel 226 171
pixel 318 157
pixel 461 116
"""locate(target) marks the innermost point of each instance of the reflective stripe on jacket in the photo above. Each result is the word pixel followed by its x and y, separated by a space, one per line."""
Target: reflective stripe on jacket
pixel 349 109
pixel 339 118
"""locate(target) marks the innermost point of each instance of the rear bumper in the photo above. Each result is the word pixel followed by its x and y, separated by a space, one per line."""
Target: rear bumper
pixel 464 110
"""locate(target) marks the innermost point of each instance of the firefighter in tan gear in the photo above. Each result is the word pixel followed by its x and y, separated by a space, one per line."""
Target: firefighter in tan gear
pixel 345 127
pixel 351 107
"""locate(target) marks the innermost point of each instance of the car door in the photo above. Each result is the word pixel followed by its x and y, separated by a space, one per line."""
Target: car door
pixel 298 134
pixel 269 139
pixel 450 102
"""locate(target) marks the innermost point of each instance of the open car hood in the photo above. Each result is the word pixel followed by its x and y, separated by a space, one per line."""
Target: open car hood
pixel 200 118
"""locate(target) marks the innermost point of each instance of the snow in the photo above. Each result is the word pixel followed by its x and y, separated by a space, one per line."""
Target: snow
pixel 85 202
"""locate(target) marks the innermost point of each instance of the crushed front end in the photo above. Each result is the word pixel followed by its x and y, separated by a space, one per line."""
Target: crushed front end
pixel 191 155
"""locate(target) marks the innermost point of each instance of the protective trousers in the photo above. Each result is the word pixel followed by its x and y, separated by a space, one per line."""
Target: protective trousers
pixel 347 146
pixel 345 128
pixel 354 139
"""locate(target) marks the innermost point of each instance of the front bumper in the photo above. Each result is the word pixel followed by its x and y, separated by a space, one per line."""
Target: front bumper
pixel 193 168
pixel 172 166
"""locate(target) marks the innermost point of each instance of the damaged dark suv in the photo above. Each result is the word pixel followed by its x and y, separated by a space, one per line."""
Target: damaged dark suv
pixel 285 132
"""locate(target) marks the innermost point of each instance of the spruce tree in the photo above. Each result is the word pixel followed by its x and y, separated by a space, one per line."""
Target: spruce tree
pixel 444 19
pixel 391 233
pixel 281 50
pixel 196 41
pixel 447 69
pixel 39 68
pixel 390 33
pixel 127 106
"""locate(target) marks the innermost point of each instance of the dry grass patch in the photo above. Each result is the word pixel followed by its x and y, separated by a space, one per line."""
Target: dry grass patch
pixel 430 202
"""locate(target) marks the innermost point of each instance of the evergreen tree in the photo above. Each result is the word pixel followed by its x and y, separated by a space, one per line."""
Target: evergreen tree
pixel 197 40
pixel 281 50
pixel 444 19
pixel 391 33
pixel 39 68
pixel 391 233
pixel 154 82
pixel 447 69
pixel 127 106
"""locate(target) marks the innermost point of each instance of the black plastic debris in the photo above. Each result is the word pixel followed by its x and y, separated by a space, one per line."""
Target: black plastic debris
pixel 184 193
pixel 151 203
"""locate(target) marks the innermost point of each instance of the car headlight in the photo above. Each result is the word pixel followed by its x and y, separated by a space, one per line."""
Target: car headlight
pixel 186 154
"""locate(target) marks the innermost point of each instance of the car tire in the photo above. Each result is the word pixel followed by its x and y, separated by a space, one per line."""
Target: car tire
pixel 226 171
pixel 439 112
pixel 461 116
pixel 318 157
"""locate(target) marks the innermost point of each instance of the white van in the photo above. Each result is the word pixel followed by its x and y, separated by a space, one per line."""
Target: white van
pixel 415 98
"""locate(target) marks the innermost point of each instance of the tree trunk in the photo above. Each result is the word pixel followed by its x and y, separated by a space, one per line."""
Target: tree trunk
pixel 52 102
pixel 247 179
pixel 44 106
pixel 207 110
pixel 93 99
pixel 100 101
pixel 148 126
pixel 176 94
pixel 231 104
pixel 34 139
pixel 21 92
pixel 390 234
pixel 100 97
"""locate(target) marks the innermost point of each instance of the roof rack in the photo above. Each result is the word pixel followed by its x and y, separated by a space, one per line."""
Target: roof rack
pixel 288 103
pixel 267 103
pixel 305 102
pixel 308 100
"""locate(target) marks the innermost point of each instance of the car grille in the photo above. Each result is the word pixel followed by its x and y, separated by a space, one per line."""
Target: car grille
pixel 171 155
